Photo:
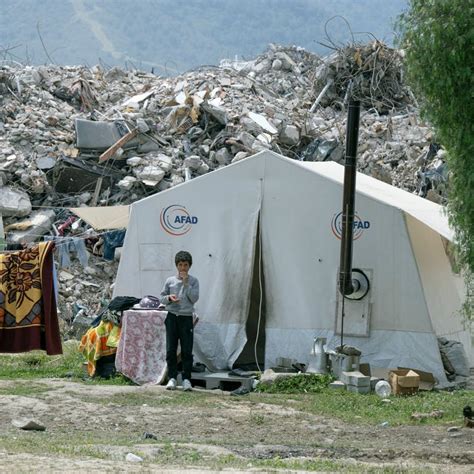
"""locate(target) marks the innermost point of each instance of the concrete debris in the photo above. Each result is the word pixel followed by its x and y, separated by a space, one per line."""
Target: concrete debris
pixel 424 416
pixel 38 224
pixel 57 121
pixel 14 202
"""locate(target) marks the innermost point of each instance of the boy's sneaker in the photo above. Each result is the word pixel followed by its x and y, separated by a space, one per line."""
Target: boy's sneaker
pixel 171 385
pixel 187 387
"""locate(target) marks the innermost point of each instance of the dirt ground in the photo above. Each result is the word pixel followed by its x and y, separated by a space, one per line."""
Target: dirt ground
pixel 91 427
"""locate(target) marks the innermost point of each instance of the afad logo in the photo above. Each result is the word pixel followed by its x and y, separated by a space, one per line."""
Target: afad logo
pixel 176 220
pixel 357 230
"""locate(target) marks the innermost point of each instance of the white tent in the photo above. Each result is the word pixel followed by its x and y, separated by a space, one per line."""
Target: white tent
pixel 287 293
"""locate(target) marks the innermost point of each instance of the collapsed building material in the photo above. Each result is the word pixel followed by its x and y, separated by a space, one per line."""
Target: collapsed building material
pixel 55 122
pixel 119 144
pixel 76 176
pixel 30 230
pixel 220 114
pixel 14 202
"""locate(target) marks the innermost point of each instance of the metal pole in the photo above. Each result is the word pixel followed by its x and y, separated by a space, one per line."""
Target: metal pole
pixel 348 200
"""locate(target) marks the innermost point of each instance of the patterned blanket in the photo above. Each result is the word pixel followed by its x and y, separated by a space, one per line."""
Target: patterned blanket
pixel 28 317
pixel 99 342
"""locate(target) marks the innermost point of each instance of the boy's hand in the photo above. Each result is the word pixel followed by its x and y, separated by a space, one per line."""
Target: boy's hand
pixel 184 276
pixel 173 298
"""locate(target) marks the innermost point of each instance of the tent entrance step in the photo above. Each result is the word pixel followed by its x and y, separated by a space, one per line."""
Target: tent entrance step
pixel 221 380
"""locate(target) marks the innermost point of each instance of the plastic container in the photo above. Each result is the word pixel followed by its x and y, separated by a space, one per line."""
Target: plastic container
pixel 383 389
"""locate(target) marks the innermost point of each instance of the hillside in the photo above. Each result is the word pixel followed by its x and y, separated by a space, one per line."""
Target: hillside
pixel 176 35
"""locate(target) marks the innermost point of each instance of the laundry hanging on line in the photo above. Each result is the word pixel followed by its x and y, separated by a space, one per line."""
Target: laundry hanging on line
pixel 67 246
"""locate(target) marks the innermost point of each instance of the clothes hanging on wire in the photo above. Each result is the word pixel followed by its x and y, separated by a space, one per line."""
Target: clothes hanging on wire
pixel 68 246
pixel 55 282
pixel 28 315
pixel 112 240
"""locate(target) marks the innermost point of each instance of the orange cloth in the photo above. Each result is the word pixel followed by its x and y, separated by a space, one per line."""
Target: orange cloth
pixel 99 342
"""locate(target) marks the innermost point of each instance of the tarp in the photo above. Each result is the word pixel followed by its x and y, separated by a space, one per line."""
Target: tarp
pixel 294 210
pixel 104 218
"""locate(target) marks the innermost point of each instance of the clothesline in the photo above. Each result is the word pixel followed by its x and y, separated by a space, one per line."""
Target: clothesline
pixel 38 206
pixel 81 235
pixel 67 244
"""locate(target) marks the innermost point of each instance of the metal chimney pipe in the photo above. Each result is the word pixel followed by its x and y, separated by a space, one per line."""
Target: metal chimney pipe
pixel 346 286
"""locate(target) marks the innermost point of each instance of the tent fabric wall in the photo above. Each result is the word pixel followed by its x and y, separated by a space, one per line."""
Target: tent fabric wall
pixel 222 243
pixel 301 255
pixel 443 289
pixel 298 206
pixel 383 349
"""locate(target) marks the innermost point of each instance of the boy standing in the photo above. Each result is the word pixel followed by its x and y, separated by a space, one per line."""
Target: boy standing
pixel 179 294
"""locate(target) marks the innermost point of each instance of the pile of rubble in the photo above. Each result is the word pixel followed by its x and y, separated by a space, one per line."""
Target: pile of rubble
pixel 373 73
pixel 77 136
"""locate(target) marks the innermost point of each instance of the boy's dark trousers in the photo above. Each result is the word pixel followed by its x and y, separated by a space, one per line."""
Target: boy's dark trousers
pixel 179 328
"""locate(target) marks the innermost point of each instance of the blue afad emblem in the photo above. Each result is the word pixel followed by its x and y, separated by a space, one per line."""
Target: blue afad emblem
pixel 358 226
pixel 176 220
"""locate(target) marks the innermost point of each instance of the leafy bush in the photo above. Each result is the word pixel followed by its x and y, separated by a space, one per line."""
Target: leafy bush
pixel 301 383
pixel 437 36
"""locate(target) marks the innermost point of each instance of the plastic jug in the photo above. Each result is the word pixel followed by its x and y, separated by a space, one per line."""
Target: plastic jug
pixel 318 358
pixel 383 389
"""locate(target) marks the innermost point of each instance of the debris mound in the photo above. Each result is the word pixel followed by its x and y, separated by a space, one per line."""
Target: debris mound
pixel 74 136
pixel 373 72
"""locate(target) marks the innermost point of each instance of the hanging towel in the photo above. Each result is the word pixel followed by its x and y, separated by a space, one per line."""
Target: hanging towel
pixel 28 317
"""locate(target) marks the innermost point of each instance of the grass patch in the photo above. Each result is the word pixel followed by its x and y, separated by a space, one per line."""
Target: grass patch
pixel 318 465
pixel 370 409
pixel 117 379
pixel 170 453
pixel 23 389
pixel 113 447
pixel 37 364
pixel 70 444
pixel 182 399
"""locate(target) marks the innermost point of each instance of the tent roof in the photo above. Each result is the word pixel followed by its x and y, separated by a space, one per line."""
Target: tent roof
pixel 427 212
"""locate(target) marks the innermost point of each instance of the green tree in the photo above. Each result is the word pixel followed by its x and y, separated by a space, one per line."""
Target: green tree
pixel 437 36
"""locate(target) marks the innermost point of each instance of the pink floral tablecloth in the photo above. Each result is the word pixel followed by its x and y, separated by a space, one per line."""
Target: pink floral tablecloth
pixel 141 353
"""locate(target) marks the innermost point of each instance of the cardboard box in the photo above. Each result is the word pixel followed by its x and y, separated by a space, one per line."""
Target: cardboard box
pixel 404 381
pixel 427 380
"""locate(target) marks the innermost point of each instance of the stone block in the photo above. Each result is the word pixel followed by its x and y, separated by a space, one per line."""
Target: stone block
pixel 14 202
pixel 337 385
pixel 355 378
pixel 355 389
pixel 223 156
pixel 290 135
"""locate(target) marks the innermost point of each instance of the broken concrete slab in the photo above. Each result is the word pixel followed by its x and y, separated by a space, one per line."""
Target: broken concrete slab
pixel 14 202
pixel 38 224
pixel 149 175
pixel 193 162
pixel 290 135
pixel 223 156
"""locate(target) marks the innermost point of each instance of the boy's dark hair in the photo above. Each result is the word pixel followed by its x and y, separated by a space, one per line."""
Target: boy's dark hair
pixel 183 256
